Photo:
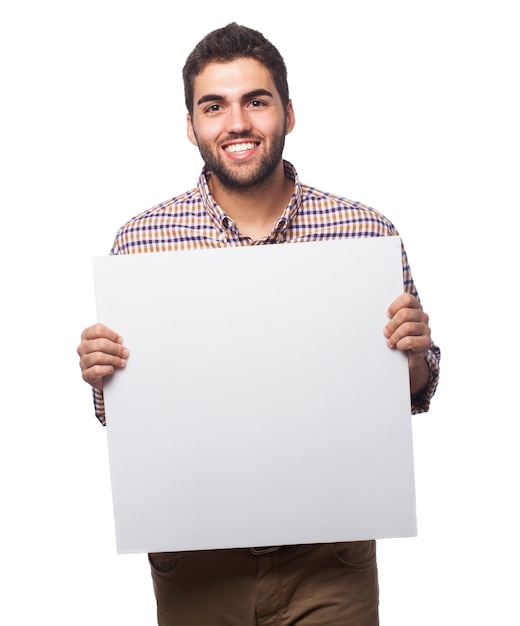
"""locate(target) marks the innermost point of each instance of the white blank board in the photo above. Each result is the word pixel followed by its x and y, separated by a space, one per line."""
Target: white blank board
pixel 260 404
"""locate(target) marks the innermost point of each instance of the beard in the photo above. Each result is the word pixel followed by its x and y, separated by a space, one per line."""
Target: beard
pixel 243 176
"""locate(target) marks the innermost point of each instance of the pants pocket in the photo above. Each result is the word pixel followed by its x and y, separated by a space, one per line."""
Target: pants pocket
pixel 354 554
pixel 165 562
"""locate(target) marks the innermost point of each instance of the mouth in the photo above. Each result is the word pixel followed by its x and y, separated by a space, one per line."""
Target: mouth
pixel 240 147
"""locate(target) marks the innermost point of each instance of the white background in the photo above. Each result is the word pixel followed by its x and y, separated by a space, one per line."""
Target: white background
pixel 408 106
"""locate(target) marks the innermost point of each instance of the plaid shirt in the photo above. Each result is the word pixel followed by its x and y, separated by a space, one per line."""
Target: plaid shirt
pixel 194 220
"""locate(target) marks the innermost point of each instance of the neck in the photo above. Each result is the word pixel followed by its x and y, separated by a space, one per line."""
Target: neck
pixel 255 210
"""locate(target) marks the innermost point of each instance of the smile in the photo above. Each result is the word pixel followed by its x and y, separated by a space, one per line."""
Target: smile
pixel 240 147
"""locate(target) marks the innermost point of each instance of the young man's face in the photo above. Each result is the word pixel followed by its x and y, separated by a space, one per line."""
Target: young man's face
pixel 239 122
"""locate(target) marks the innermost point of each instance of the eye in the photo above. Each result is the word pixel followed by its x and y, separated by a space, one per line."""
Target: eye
pixel 255 104
pixel 213 108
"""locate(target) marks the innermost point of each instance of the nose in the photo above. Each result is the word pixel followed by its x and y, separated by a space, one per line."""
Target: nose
pixel 238 120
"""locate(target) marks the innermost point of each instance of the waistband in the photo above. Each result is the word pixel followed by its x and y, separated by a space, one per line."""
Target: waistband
pixel 264 550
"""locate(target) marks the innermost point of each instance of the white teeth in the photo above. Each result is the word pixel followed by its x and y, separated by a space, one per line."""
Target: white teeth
pixel 239 147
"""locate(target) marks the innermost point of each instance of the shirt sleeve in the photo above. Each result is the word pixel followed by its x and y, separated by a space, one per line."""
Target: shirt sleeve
pixel 99 405
pixel 421 401
pixel 97 396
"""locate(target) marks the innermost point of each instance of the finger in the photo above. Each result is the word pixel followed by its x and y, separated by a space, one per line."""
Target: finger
pixel 418 343
pixel 404 308
pixel 404 301
pixel 406 322
pixel 97 365
pixel 103 346
pixel 100 338
pixel 95 375
pixel 116 359
pixel 408 329
pixel 100 331
pixel 101 352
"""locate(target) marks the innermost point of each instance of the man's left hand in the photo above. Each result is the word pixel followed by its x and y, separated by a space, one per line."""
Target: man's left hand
pixel 408 329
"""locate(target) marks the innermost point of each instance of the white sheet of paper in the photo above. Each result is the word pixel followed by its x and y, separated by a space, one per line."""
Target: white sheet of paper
pixel 260 404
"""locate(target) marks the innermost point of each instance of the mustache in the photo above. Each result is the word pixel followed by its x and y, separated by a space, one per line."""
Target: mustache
pixel 241 136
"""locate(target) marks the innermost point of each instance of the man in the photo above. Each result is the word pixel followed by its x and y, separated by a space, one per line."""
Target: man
pixel 239 113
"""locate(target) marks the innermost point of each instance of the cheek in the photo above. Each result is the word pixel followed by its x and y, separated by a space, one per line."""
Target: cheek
pixel 191 135
pixel 208 133
pixel 274 127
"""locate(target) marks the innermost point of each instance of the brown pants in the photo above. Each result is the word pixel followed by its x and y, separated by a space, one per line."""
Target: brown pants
pixel 306 585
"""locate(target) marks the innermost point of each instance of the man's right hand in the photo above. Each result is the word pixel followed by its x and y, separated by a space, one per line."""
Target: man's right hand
pixel 101 352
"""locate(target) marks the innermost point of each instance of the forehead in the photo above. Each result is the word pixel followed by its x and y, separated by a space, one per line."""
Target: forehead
pixel 233 78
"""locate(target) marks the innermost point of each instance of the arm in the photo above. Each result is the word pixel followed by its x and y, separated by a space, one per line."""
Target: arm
pixel 408 330
pixel 101 352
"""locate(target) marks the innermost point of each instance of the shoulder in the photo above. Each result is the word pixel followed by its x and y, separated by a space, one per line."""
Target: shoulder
pixel 165 209
pixel 163 217
pixel 329 207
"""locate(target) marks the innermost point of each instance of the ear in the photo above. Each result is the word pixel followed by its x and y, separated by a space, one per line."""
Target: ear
pixel 291 121
pixel 190 131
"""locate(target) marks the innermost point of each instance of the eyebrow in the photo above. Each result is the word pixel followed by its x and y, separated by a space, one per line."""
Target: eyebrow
pixel 210 97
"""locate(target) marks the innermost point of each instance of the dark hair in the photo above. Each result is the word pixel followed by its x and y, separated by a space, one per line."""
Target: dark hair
pixel 228 44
